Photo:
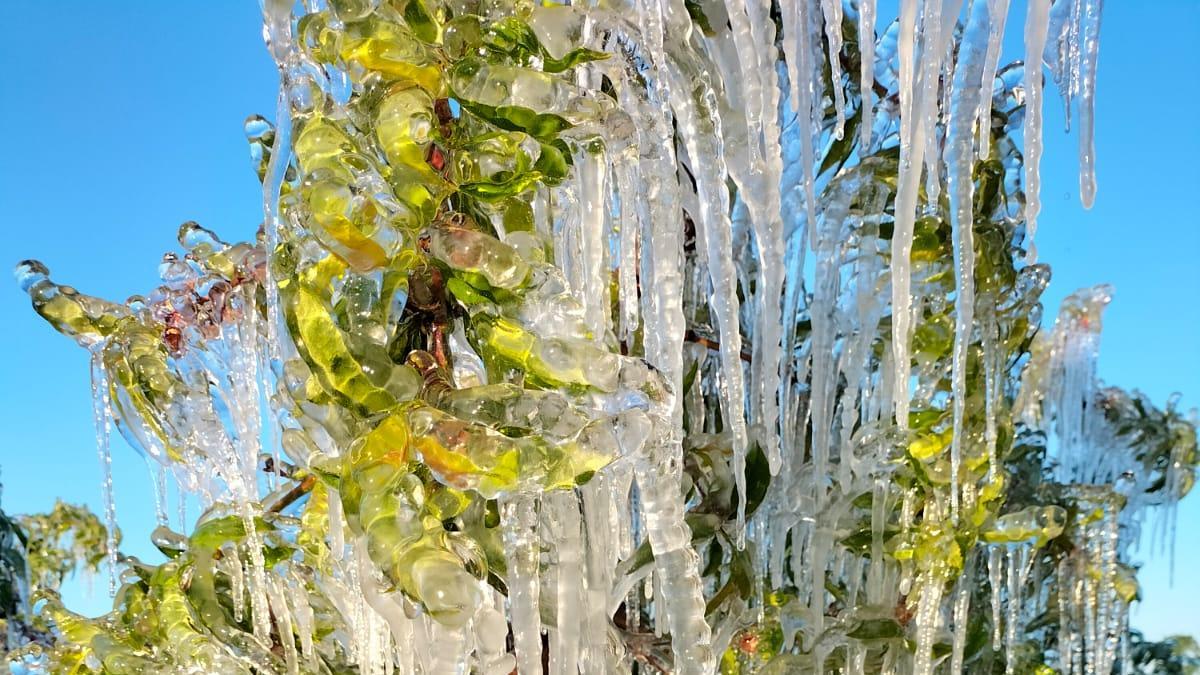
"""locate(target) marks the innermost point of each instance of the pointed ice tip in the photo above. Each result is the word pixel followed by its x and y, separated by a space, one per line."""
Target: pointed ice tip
pixel 29 272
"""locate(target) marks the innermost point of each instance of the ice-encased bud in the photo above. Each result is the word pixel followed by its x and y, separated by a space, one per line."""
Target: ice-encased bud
pixel 477 253
pixel 1038 524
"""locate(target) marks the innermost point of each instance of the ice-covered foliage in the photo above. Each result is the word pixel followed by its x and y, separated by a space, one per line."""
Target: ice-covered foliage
pixel 665 335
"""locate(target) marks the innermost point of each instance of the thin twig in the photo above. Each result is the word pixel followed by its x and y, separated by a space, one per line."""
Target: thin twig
pixel 692 337
pixel 295 493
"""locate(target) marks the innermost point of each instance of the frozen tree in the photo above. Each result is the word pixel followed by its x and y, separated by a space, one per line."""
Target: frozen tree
pixel 648 336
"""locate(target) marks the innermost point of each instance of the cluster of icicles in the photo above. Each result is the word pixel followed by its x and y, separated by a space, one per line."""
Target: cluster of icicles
pixel 694 111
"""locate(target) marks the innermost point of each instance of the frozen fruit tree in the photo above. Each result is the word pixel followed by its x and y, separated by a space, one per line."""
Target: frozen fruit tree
pixel 631 336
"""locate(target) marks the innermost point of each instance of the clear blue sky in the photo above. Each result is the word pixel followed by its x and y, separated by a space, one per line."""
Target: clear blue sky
pixel 124 119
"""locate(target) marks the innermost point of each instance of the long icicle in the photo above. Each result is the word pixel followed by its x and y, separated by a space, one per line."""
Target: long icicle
pixel 998 13
pixel 1036 20
pixel 1090 50
pixel 912 148
pixel 518 517
pixel 866 46
pixel 699 126
pixel 832 11
pixel 102 412
pixel 960 165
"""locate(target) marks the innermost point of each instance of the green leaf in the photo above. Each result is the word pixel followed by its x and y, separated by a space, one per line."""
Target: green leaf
pixel 877 629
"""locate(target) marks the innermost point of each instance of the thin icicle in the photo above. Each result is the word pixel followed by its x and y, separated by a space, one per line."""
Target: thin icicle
pixel 998 13
pixel 1090 34
pixel 592 170
pixel 962 603
pixel 625 177
pixel 866 46
pixel 237 582
pixel 757 172
pixel 679 590
pixel 1035 42
pixel 960 169
pixel 832 11
pixel 565 644
pixel 995 570
pixel 928 619
pixel 519 519
pixel 102 413
pixel 912 149
pixel 806 103
pixel 699 125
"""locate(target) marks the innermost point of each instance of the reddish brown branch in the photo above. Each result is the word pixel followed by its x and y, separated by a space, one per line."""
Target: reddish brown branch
pixel 692 337
pixel 290 497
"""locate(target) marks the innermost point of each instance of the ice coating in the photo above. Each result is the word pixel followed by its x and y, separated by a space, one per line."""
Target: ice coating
pixel 581 338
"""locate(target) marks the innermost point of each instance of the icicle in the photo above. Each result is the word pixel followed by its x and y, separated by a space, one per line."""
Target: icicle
pixel 937 65
pixel 832 11
pixel 866 45
pixel 824 329
pixel 912 148
pixel 676 564
pixel 927 621
pixel 960 168
pixel 757 173
pixel 995 569
pixel 283 624
pixel 592 170
pixel 237 583
pixel 565 521
pixel 998 13
pixel 625 177
pixel 962 603
pixel 519 520
pixel 788 11
pixel 260 613
pixel 600 499
pixel 102 413
pixel 992 357
pixel 662 233
pixel 305 622
pixel 447 653
pixel 1018 558
pixel 806 104
pixel 182 515
pixel 1090 34
pixel 337 531
pixel 699 125
pixel 1035 41
pixel 159 475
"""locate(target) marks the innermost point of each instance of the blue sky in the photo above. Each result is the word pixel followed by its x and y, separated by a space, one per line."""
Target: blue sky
pixel 124 119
